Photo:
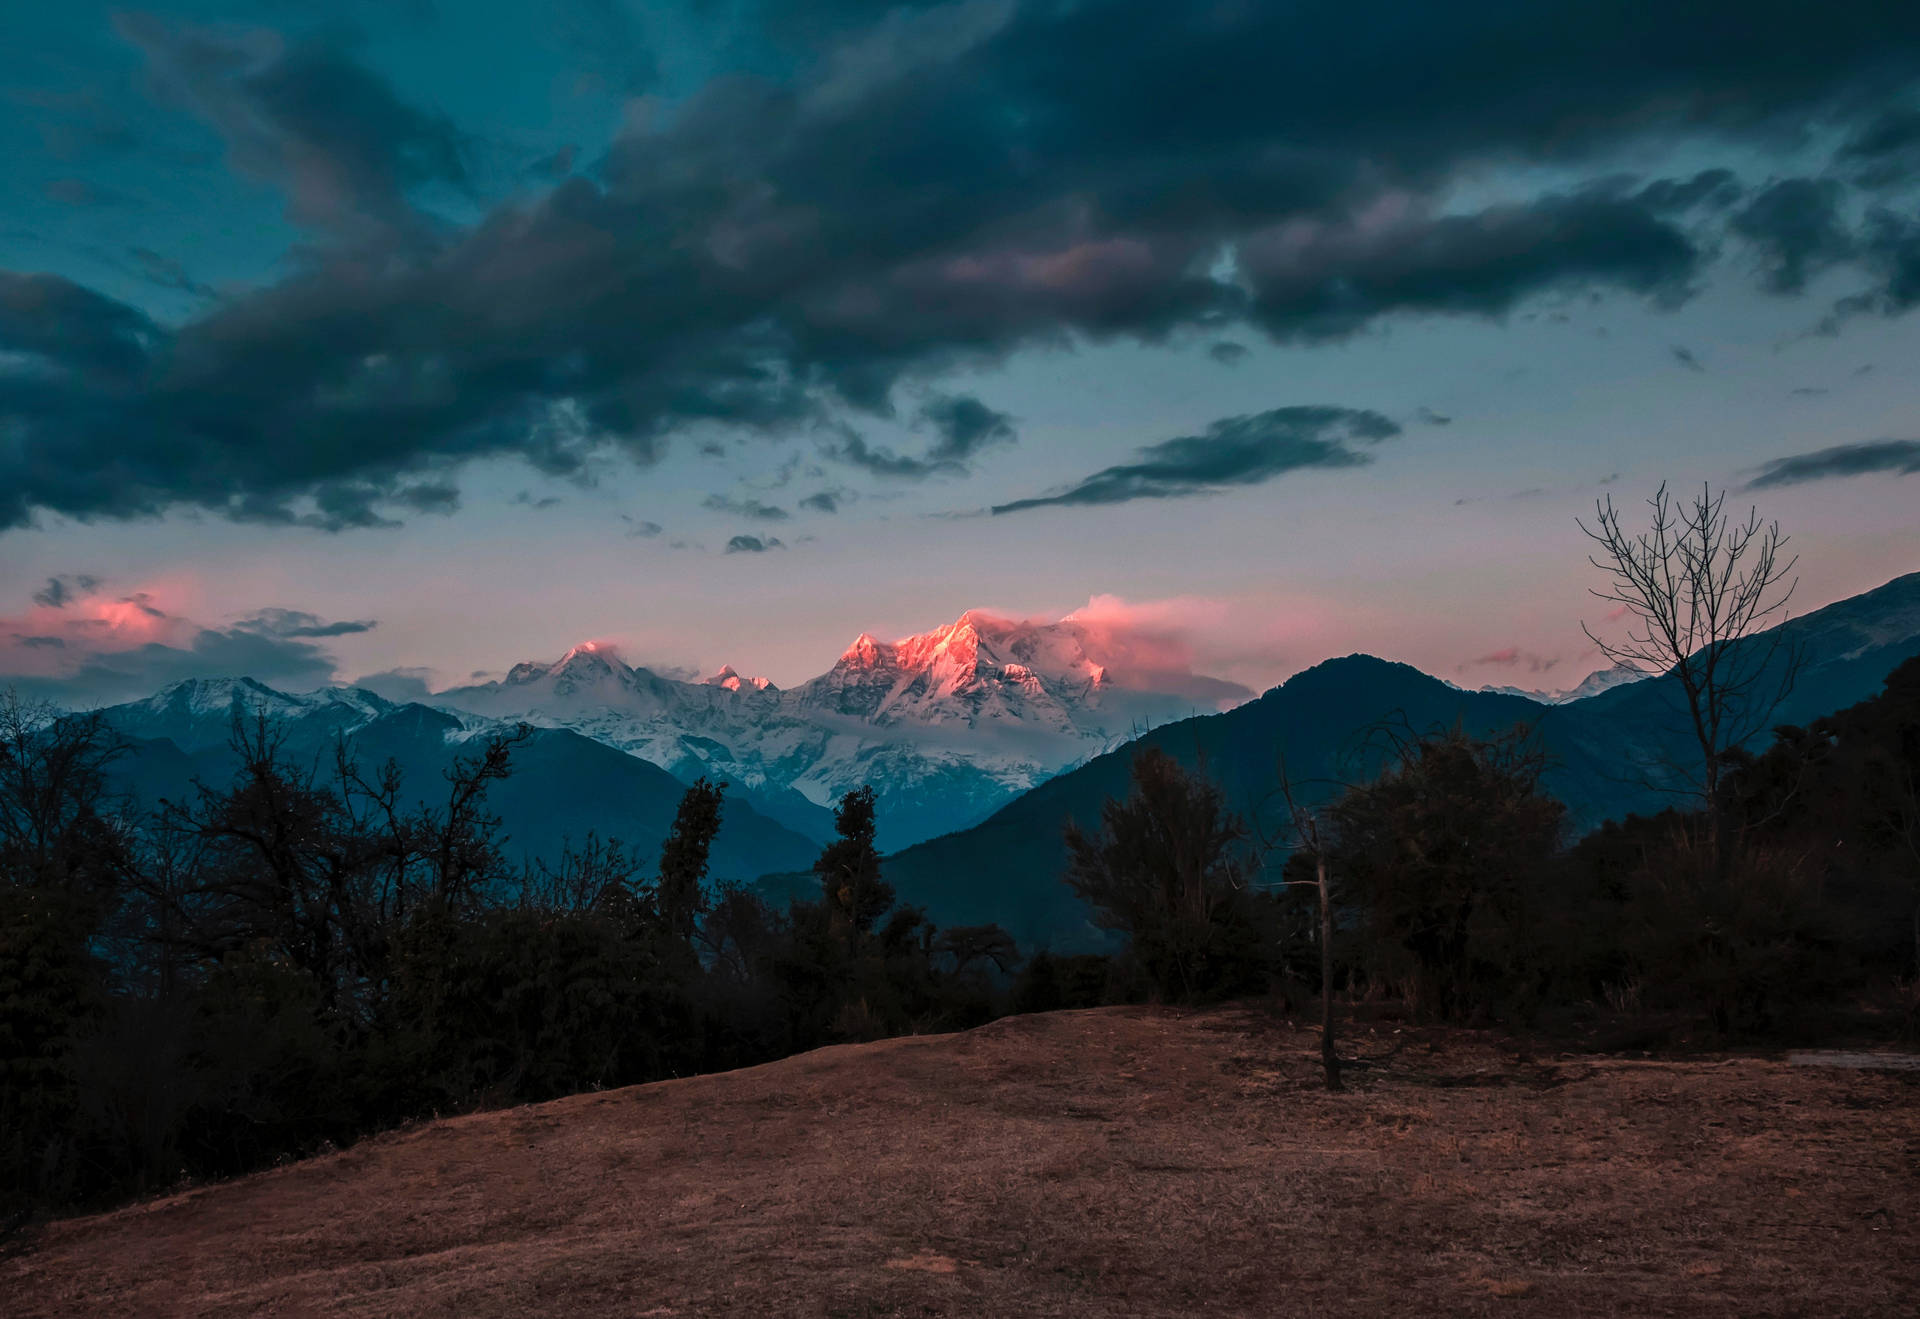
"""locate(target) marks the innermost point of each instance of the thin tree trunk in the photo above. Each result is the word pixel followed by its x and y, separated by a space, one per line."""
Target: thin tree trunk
pixel 1916 947
pixel 1328 1058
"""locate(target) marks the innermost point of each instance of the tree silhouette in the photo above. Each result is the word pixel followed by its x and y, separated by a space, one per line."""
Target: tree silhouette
pixel 1441 854
pixel 849 867
pixel 683 857
pixel 1694 588
pixel 1166 869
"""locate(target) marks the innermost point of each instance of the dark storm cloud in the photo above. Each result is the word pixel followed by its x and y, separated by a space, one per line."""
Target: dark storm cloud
pixel 930 190
pixel 1797 228
pixel 59 592
pixel 70 329
pixel 753 545
pixel 1234 451
pixel 824 501
pixel 305 117
pixel 1899 457
pixel 852 448
pixel 640 528
pixel 1329 281
pixel 1228 353
pixel 1686 357
pixel 1889 246
pixel 1710 188
pixel 746 508
pixel 965 426
pixel 441 497
pixel 1885 151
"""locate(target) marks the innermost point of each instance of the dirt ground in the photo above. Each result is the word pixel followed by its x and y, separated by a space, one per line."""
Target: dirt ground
pixel 1124 1161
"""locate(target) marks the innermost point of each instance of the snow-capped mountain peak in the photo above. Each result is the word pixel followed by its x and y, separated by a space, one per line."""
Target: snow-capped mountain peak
pixel 590 671
pixel 591 657
pixel 730 678
pixel 865 652
pixel 982 669
pixel 1600 680
pixel 207 695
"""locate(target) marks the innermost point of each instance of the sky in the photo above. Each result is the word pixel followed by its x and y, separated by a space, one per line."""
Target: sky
pixel 409 340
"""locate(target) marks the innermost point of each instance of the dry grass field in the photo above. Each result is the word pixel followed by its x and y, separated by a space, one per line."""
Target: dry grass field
pixel 1125 1161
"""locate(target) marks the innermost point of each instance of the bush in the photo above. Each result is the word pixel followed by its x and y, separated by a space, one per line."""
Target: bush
pixel 1087 980
pixel 1169 868
pixel 1740 941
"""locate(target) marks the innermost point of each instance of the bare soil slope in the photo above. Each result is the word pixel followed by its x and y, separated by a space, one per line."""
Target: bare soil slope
pixel 1118 1162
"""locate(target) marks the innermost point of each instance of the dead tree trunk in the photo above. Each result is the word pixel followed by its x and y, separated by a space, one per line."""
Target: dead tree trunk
pixel 1329 1059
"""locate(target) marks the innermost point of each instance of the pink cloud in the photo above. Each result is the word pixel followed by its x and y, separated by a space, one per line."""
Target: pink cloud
pixel 48 639
pixel 87 645
pixel 1152 645
pixel 1250 642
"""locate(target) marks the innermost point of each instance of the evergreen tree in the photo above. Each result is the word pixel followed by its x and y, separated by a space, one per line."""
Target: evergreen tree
pixel 849 867
pixel 683 857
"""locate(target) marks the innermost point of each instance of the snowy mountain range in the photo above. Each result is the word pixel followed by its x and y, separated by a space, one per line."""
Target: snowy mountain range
pixel 1600 680
pixel 197 714
pixel 947 726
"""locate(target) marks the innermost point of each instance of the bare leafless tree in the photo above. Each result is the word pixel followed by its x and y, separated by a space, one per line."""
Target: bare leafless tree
pixel 1695 589
pixel 588 876
pixel 1301 834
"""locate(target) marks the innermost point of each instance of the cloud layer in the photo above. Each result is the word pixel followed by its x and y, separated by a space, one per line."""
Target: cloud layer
pixel 902 191
pixel 1234 451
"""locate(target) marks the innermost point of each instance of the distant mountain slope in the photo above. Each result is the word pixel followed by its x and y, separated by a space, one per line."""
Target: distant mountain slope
pixel 1849 647
pixel 1008 868
pixel 563 784
pixel 1331 722
pixel 947 726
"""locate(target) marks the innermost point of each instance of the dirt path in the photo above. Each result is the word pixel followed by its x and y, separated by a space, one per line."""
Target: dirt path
pixel 1856 1061
pixel 1116 1162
